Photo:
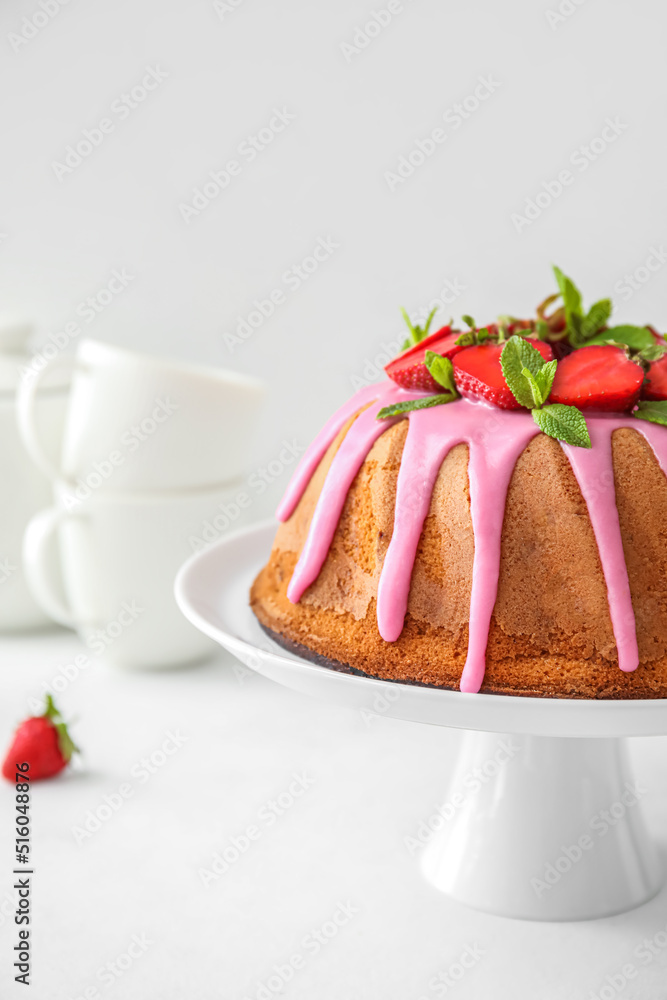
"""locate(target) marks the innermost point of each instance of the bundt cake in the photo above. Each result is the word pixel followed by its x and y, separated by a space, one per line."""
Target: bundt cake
pixel 491 517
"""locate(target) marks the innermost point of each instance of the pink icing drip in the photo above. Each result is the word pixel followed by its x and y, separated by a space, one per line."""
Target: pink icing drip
pixel 347 461
pixel 594 472
pixel 315 453
pixel 495 439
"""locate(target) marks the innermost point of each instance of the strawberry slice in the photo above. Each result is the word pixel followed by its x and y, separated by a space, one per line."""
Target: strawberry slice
pixel 655 386
pixel 409 369
pixel 477 373
pixel 599 377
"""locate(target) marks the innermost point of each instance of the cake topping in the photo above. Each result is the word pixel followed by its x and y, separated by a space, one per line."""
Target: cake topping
pixel 568 357
pixel 479 372
pixel 600 377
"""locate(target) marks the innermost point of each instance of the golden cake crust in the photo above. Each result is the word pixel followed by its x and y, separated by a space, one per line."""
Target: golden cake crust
pixel 551 633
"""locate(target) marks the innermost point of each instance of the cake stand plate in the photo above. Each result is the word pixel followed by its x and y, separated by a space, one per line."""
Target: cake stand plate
pixel 542 819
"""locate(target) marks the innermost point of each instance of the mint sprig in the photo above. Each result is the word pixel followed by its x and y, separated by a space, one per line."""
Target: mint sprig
pixel 414 404
pixel 653 410
pixel 473 335
pixel 530 378
pixel 565 423
pixel 417 332
pixel 580 326
pixel 442 370
pixel 637 338
pixel 652 353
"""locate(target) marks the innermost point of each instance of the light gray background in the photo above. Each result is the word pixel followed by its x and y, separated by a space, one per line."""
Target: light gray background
pixel 323 177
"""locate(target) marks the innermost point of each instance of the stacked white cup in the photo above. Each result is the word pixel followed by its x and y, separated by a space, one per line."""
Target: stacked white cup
pixel 152 450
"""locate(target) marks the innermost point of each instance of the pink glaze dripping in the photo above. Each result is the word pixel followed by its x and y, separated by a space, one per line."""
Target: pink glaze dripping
pixel 347 461
pixel 593 469
pixel 316 451
pixel 495 439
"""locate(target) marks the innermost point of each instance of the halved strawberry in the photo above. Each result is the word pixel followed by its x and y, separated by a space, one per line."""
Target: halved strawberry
pixel 477 373
pixel 655 386
pixel 409 370
pixel 599 377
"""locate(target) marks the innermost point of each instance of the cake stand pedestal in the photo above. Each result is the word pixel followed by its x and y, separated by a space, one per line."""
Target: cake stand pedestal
pixel 542 819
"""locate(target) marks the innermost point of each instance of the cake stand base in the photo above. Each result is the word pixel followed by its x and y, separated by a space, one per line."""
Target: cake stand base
pixel 542 824
pixel 543 828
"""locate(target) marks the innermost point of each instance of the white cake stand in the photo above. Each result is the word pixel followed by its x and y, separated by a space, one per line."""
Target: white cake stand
pixel 542 822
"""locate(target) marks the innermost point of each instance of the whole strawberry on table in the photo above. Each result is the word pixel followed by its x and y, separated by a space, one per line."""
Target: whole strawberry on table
pixel 42 742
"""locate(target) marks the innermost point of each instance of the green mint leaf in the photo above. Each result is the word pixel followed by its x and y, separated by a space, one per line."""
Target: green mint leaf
pixel 545 378
pixel 482 334
pixel 595 318
pixel 542 329
pixel 465 340
pixel 570 292
pixel 413 339
pixel 516 355
pixel 417 333
pixel 637 338
pixel 429 320
pixel 654 410
pixel 441 369
pixel 572 305
pixel 415 404
pixel 534 388
pixel 565 423
pixel 469 321
pixel 653 353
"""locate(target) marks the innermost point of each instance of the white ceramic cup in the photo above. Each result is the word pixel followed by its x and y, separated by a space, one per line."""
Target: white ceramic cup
pixel 144 424
pixel 119 556
pixel 23 488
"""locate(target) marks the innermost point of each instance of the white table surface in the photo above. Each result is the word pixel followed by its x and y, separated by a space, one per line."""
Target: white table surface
pixel 340 842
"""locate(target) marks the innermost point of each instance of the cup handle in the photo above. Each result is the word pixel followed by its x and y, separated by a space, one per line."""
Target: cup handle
pixel 38 535
pixel 25 411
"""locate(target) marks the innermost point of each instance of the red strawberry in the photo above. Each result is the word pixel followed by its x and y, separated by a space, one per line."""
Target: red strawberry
pixel 477 372
pixel 409 370
pixel 599 377
pixel 655 386
pixel 43 742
